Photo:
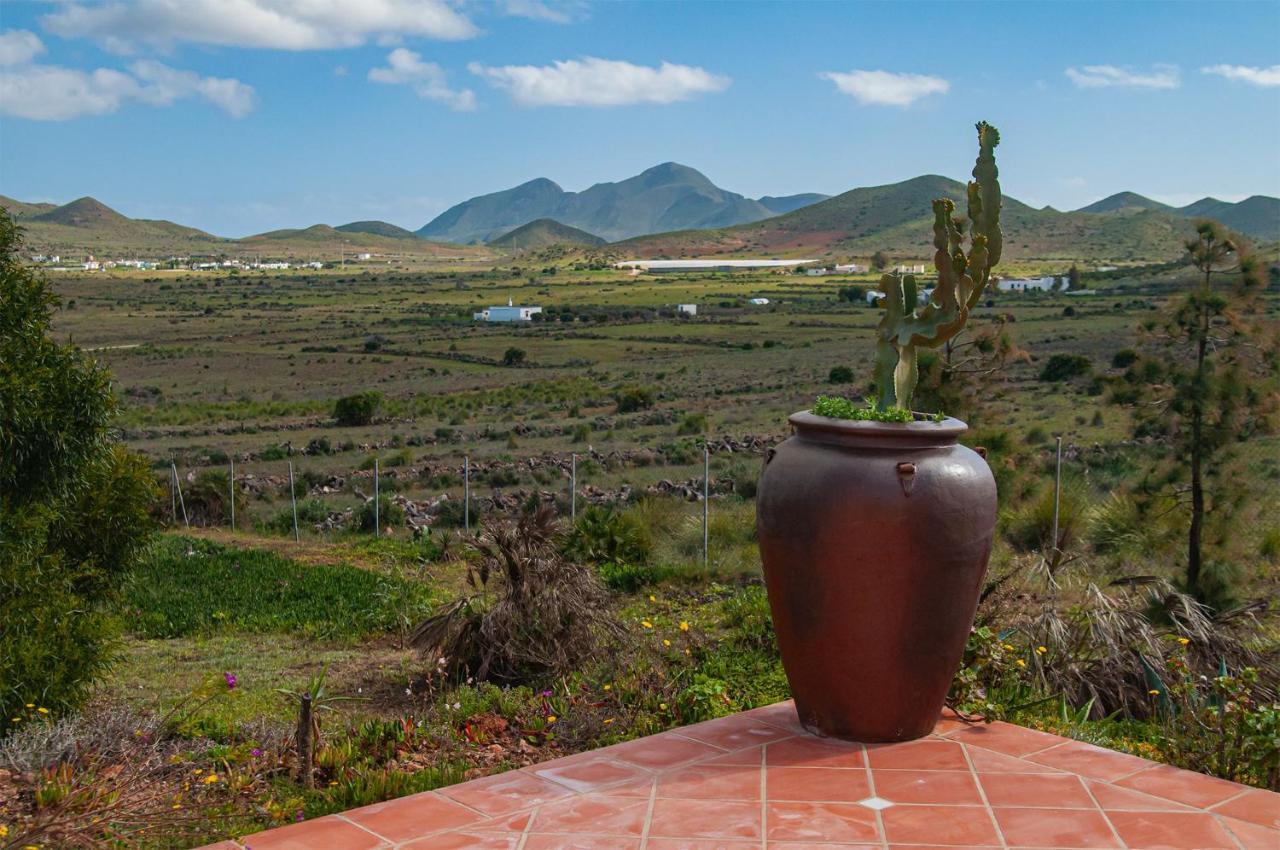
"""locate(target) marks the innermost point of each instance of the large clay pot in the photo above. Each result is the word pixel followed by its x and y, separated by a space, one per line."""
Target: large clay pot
pixel 875 538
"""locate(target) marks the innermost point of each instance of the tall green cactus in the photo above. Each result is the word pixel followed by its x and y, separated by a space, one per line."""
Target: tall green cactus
pixel 962 277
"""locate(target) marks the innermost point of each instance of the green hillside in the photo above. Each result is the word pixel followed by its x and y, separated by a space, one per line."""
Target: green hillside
pixel 542 233
pixel 377 228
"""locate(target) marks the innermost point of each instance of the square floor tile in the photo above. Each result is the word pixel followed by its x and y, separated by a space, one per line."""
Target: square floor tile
pixel 1184 786
pixel 1114 798
pixel 1090 761
pixel 926 754
pixel 969 825
pixel 711 782
pixel 814 752
pixel 463 840
pixel 1055 828
pixel 989 761
pixel 878 804
pixel 330 832
pixel 595 814
pixel 1172 831
pixel 586 775
pixel 412 817
pixel 734 733
pixel 505 792
pixel 700 819
pixel 1260 807
pixel 1005 738
pixel 662 752
pixel 1016 789
pixel 838 822
pixel 814 784
pixel 946 788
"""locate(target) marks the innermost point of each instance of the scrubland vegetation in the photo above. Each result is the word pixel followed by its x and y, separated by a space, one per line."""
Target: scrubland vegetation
pixel 431 655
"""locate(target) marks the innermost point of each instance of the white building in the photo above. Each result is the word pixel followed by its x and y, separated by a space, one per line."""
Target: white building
pixel 654 266
pixel 1032 284
pixel 687 309
pixel 904 269
pixel 850 268
pixel 816 272
pixel 509 313
pixel 364 256
pixel 758 301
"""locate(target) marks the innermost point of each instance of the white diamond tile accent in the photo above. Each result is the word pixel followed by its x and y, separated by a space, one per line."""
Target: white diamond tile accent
pixel 877 803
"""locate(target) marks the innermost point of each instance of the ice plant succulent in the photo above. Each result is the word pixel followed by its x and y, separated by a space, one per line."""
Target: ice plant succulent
pixel 962 277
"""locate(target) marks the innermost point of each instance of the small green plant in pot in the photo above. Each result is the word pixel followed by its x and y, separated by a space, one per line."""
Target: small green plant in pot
pixel 874 523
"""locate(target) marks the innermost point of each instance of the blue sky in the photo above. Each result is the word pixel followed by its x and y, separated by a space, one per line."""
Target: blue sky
pixel 239 116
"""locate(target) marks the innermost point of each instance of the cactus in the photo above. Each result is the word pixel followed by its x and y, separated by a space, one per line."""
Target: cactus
pixel 962 277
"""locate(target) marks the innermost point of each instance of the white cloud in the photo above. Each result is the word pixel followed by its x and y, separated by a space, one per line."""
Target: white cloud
pixel 19 46
pixel 599 82
pixel 55 93
pixel 886 88
pixel 561 12
pixel 1265 77
pixel 282 24
pixel 428 80
pixel 1107 76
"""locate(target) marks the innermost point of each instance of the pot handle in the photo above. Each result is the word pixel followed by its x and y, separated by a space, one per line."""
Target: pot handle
pixel 906 476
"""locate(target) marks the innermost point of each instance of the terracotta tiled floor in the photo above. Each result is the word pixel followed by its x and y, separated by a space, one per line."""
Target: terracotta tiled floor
pixel 757 781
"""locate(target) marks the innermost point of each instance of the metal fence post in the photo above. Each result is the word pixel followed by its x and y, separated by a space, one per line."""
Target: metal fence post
pixel 466 493
pixel 1057 492
pixel 573 488
pixel 293 500
pixel 706 501
pixel 177 483
pixel 232 488
pixel 377 493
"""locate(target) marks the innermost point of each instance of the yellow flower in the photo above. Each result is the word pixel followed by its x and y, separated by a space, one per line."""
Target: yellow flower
pixel 662 705
pixel 608 720
pixel 4 830
pixel 31 705
pixel 1008 647
pixel 198 771
pixel 16 719
pixel 1184 641
pixel 177 805
pixel 42 710
pixel 608 687
pixel 684 625
pixel 666 642
pixel 210 779
pixel 1020 663
pixel 1154 692
pixel 687 652
pixel 652 598
pixel 551 718
pixel 1041 650
pixel 646 624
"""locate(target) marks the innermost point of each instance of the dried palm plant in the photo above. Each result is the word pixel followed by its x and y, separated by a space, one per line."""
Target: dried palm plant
pixel 533 613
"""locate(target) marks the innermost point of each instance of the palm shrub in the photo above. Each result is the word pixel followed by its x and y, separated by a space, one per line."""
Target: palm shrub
pixel 73 503
pixel 532 613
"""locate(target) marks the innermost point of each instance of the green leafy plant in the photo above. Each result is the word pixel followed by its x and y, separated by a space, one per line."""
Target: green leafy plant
pixel 962 278
pixel 836 407
pixel 357 409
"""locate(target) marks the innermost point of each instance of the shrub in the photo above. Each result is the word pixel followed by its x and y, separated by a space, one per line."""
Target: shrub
pixel 208 498
pixel 73 504
pixel 603 535
pixel 310 513
pixel 513 356
pixel 1063 367
pixel 840 375
pixel 535 614
pixel 1124 358
pixel 692 424
pixel 357 409
pixel 631 399
pixel 390 515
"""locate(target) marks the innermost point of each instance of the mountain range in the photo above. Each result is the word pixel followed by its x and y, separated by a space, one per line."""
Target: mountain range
pixel 673 210
pixel 666 197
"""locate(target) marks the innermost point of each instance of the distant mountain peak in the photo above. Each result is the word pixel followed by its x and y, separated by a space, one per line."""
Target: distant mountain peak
pixel 1123 201
pixel 82 212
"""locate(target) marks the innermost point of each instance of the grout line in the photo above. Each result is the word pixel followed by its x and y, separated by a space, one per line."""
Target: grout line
pixel 1236 796
pixel 648 815
pixel 1231 833
pixel 528 826
pixel 871 789
pixel 1105 817
pixel 982 794
pixel 342 817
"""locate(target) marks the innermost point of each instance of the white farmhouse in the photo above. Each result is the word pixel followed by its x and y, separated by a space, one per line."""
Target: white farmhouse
pixel 509 313
pixel 912 269
pixel 687 309
pixel 850 268
pixel 1032 284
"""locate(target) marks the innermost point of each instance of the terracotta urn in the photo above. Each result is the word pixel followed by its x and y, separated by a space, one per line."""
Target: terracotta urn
pixel 875 538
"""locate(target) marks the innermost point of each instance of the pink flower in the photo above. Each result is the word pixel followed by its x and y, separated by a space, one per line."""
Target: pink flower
pixel 231 680
pixel 256 753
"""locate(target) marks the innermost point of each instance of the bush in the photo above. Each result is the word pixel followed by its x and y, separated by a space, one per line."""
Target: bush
pixel 74 506
pixel 1063 367
pixel 310 512
pixel 208 498
pixel 535 614
pixel 840 375
pixel 604 535
pixel 631 399
pixel 357 409
pixel 513 357
pixel 1124 358
pixel 390 515
pixel 692 424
